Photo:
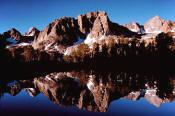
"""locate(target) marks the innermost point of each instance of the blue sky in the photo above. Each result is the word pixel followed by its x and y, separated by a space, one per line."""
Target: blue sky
pixel 23 14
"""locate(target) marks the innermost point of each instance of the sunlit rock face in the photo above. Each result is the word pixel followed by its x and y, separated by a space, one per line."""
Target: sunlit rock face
pixel 63 35
pixel 13 44
pixel 13 33
pixel 17 36
pixel 154 25
pixel 168 26
pixel 31 35
pixel 98 24
pixel 32 32
pixel 157 25
pixel 103 29
pixel 65 31
pixel 135 27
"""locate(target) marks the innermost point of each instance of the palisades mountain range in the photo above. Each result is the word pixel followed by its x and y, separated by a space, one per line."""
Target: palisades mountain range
pixel 89 39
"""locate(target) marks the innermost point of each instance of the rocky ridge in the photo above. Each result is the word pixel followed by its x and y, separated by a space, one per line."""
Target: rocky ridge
pixel 65 31
pixel 61 35
pixel 33 33
pixel 135 27
pixel 15 35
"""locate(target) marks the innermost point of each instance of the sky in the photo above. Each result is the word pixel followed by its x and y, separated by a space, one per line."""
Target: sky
pixel 23 14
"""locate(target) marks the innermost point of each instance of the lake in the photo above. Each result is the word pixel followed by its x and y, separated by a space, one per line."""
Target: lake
pixel 82 92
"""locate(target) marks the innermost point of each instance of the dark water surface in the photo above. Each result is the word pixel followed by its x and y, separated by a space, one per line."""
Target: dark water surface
pixel 90 93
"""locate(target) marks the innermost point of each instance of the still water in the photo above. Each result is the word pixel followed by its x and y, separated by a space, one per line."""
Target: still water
pixel 90 93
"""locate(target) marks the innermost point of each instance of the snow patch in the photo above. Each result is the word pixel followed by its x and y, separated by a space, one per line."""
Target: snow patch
pixel 154 32
pixel 133 30
pixel 52 47
pixel 172 30
pixel 48 78
pixel 23 44
pixel 90 83
pixel 57 76
pixel 102 37
pixel 47 47
pixel 89 40
pixel 31 89
pixel 66 52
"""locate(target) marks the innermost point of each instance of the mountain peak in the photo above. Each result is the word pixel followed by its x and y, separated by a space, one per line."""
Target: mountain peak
pixel 156 17
pixel 65 31
pixel 154 25
pixel 134 27
pixel 32 32
pixel 12 33
pixel 32 29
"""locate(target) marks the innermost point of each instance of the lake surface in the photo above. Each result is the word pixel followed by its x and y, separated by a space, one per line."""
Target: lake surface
pixel 90 93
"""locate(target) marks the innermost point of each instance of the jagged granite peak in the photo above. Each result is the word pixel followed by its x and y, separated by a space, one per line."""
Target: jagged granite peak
pixel 30 35
pixel 102 26
pixel 154 25
pixel 12 33
pixel 168 26
pixel 135 27
pixel 15 36
pixel 65 31
pixel 88 21
pixel 32 32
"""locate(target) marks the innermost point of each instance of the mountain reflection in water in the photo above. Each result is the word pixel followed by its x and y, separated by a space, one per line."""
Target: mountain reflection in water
pixel 93 90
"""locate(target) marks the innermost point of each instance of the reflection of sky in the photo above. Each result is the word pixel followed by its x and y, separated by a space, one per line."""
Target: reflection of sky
pixel 23 104
pixel 140 108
